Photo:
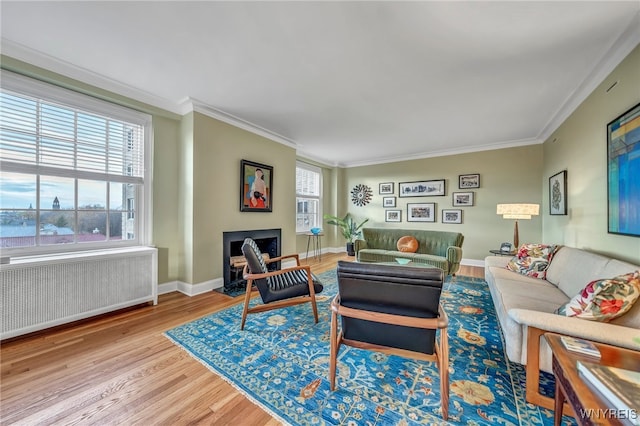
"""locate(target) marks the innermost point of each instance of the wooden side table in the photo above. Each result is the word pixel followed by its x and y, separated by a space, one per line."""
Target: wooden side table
pixel 503 253
pixel 588 408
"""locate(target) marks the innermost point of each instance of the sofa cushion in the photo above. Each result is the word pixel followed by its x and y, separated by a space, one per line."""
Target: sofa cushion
pixel 532 260
pixel 524 281
pixel 572 268
pixel 506 297
pixel 527 294
pixel 407 244
pixel 499 261
pixel 604 299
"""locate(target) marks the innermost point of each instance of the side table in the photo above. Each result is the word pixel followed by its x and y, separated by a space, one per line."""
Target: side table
pixel 588 407
pixel 316 239
pixel 502 253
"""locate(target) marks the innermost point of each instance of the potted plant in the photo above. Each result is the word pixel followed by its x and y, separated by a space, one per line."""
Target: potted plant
pixel 349 228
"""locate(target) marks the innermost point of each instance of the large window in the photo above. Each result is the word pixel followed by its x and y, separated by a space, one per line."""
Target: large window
pixel 308 197
pixel 74 170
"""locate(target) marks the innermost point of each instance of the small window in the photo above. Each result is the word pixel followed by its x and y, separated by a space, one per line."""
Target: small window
pixel 308 197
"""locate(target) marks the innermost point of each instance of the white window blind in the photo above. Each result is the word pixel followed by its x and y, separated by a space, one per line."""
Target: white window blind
pixel 308 197
pixel 37 134
pixel 71 168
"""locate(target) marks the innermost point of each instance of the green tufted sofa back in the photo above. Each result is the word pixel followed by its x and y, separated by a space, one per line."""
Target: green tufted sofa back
pixel 429 242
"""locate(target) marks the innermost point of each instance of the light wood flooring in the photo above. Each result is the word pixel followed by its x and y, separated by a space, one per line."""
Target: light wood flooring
pixel 120 369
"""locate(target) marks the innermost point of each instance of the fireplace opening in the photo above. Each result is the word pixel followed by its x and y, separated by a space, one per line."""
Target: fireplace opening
pixel 267 240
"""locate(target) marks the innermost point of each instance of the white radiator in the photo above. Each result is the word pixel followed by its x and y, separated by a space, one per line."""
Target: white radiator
pixel 46 291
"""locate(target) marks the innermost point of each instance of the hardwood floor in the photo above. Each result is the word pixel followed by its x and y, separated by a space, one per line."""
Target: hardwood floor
pixel 120 369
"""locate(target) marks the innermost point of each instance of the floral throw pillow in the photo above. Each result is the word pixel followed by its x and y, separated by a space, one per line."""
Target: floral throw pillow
pixel 532 260
pixel 604 300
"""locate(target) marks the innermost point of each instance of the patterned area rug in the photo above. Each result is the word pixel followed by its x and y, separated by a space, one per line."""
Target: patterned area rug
pixel 281 362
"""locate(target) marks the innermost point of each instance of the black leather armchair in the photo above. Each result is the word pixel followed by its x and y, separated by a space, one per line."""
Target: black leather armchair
pixel 391 309
pixel 280 288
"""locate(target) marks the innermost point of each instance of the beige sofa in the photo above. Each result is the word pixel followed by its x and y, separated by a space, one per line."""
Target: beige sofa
pixel 525 308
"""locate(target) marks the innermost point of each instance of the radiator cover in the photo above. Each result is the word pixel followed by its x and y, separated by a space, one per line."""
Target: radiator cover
pixel 42 292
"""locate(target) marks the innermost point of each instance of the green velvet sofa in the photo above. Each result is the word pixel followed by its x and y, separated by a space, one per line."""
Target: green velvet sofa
pixel 435 248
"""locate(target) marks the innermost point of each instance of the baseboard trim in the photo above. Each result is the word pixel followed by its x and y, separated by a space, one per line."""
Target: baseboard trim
pixel 472 262
pixel 199 288
pixel 324 250
pixel 167 287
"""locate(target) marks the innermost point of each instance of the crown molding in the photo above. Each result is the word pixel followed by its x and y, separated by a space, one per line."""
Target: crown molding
pixel 629 38
pixel 443 152
pixel 40 59
pixel 320 160
pixel 191 104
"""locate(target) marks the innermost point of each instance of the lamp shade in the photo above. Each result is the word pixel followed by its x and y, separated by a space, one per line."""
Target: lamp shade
pixel 518 211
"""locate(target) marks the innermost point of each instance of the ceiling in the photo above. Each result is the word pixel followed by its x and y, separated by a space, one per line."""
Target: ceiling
pixel 345 83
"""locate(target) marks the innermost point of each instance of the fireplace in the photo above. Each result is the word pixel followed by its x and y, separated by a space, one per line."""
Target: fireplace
pixel 268 241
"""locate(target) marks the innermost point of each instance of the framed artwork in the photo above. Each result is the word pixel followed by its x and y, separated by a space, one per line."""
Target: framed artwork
pixel 256 183
pixel 558 193
pixel 393 216
pixel 469 181
pixel 423 188
pixel 421 212
pixel 451 216
pixel 386 188
pixel 388 201
pixel 623 179
pixel 463 199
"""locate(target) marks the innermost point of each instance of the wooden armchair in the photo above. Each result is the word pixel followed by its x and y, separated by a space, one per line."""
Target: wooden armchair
pixel 394 310
pixel 278 289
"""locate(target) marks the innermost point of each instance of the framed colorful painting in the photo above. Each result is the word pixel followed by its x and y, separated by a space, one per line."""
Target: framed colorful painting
pixel 623 179
pixel 256 183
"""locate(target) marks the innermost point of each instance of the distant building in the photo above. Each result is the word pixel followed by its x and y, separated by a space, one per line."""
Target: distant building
pixel 56 204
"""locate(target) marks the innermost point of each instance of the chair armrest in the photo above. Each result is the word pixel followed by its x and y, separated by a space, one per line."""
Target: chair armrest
pixel 248 276
pixel 454 256
pixel 359 245
pixel 601 332
pixel 287 256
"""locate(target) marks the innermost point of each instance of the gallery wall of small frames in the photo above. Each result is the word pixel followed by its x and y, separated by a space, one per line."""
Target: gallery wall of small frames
pixel 427 211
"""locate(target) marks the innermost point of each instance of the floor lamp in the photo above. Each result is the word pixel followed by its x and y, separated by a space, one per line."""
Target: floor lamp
pixel 517 211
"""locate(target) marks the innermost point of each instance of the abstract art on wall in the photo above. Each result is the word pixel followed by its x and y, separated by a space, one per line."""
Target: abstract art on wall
pixel 256 187
pixel 361 195
pixel 558 193
pixel 623 179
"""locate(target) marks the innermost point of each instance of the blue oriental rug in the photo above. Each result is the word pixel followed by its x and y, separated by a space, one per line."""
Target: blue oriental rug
pixel 281 362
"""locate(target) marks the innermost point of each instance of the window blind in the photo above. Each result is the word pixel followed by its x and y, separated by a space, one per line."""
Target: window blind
pixel 307 181
pixel 41 136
